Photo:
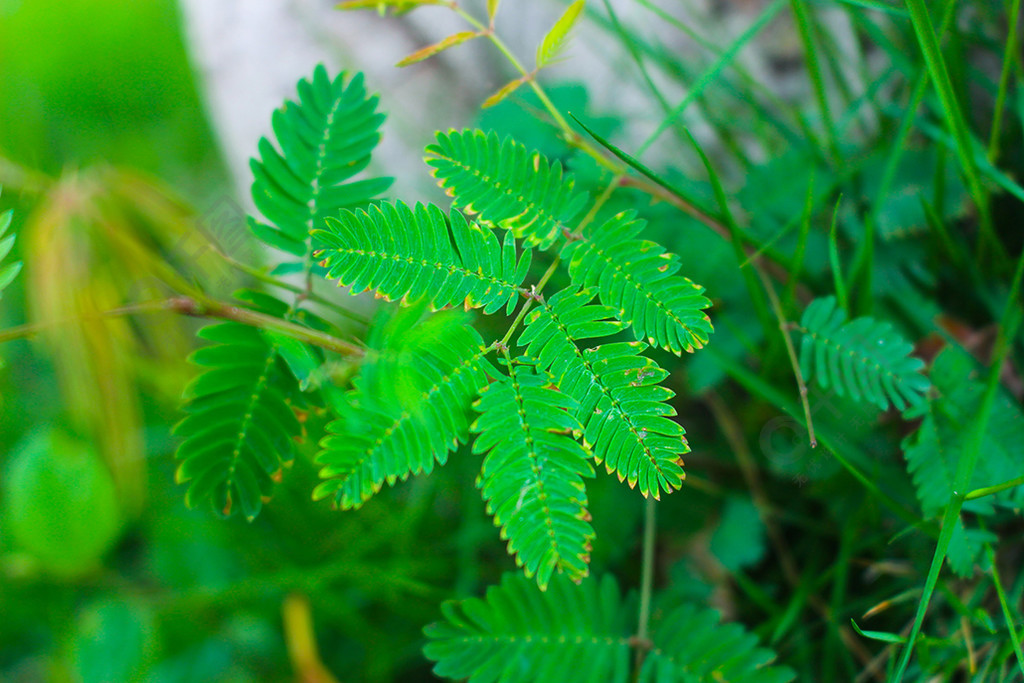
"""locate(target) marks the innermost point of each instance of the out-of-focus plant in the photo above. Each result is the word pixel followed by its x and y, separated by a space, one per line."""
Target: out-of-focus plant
pixel 857 409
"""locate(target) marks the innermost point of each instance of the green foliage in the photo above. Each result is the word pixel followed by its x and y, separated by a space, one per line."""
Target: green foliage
pixel 573 259
pixel 863 357
pixel 323 141
pixel 385 433
pixel 532 477
pixel 506 185
pixel 408 254
pixel 241 429
pixel 10 270
pixel 932 452
pixel 555 40
pixel 621 404
pixel 239 433
pixel 59 503
pixel 582 633
pixel 639 279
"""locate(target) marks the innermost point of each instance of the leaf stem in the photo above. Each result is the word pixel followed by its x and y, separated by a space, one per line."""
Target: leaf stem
pixel 209 308
pixel 646 581
pixel 266 278
pixel 991 490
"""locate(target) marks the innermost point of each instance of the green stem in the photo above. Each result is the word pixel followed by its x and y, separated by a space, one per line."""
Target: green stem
pixel 965 468
pixel 646 581
pixel 533 296
pixel 266 278
pixel 711 74
pixel 203 309
pixel 833 259
pixel 1004 81
pixel 803 23
pixel 929 43
pixel 990 490
pixel 1005 605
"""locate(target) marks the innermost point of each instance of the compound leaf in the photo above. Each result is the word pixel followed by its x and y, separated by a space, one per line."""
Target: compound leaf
pixel 387 430
pixel 554 42
pixel 638 278
pixel 532 477
pixel 934 450
pixel 240 429
pixel 409 253
pixel 505 184
pixel 583 634
pixel 621 404
pixel 323 141
pixel 863 357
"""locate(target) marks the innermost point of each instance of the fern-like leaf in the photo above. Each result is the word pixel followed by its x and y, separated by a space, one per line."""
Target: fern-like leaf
pixel 934 450
pixel 621 404
pixel 863 357
pixel 323 140
pixel 532 477
pixel 565 634
pixel 408 253
pixel 689 644
pixel 639 278
pixel 506 184
pixel 8 271
pixel 239 431
pixel 582 633
pixel 383 436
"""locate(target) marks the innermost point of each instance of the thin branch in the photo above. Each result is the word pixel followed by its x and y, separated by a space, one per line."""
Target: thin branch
pixel 203 309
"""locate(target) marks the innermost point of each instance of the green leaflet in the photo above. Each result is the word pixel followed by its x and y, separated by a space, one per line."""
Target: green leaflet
pixel 323 140
pixel 581 633
pixel 621 404
pixel 507 185
pixel 408 253
pixel 863 357
pixel 385 435
pixel 8 271
pixel 933 450
pixel 532 477
pixel 638 278
pixel 239 430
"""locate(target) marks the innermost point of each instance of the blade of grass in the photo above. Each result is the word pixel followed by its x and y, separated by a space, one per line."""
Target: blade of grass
pixel 862 270
pixel 752 84
pixel 805 29
pixel 713 71
pixel 789 294
pixel 877 6
pixel 735 235
pixel 634 52
pixel 1005 605
pixel 833 260
pixel 836 445
pixel 636 165
pixel 965 467
pixel 1004 81
pixel 929 44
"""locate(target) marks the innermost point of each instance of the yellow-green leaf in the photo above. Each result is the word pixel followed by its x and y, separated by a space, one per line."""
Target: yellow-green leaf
pixel 492 8
pixel 431 50
pixel 505 91
pixel 382 5
pixel 554 41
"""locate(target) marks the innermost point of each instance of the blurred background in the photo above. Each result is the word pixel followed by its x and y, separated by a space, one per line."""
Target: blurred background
pixel 125 133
